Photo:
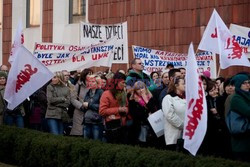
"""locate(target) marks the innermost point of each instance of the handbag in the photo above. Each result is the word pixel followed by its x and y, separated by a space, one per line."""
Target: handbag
pixel 236 123
pixel 92 117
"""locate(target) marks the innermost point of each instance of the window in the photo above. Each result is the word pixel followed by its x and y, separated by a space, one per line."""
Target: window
pixel 77 11
pixel 33 13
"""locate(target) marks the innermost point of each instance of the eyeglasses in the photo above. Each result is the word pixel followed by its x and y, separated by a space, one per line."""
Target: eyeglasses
pixel 246 82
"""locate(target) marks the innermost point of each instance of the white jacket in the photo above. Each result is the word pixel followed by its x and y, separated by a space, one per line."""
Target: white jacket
pixel 174 112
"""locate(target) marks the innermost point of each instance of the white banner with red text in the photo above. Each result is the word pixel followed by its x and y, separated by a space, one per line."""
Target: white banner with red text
pixel 96 33
pixel 242 35
pixel 59 57
pixel 157 60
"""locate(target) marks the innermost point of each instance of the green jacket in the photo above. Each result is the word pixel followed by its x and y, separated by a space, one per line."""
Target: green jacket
pixel 240 103
pixel 134 77
pixel 58 97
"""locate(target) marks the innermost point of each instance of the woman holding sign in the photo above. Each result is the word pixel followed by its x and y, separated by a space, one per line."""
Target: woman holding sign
pixel 173 107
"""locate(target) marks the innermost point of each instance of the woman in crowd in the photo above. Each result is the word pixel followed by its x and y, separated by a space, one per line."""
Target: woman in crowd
pixel 216 141
pixel 154 75
pixel 77 100
pixel 38 107
pixel 114 109
pixel 141 104
pixel 3 80
pixel 103 82
pixel 240 103
pixel 228 89
pixel 10 117
pixel 173 107
pixel 93 122
pixel 58 96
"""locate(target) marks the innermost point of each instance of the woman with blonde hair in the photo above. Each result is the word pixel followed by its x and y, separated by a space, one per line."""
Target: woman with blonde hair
pixel 173 107
pixel 58 96
pixel 141 104
pixel 93 122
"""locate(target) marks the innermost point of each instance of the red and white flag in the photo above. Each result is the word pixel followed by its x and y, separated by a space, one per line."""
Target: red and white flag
pixel 195 124
pixel 218 39
pixel 27 74
pixel 18 41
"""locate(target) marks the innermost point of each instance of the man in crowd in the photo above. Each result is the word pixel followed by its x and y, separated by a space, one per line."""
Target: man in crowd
pixel 137 74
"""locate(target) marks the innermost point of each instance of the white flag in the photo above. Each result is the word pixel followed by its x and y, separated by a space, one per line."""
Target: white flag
pixel 18 41
pixel 195 124
pixel 218 39
pixel 27 74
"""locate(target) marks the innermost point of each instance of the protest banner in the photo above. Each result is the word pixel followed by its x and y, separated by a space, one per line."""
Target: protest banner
pixel 18 41
pixel 157 60
pixel 218 39
pixel 242 35
pixel 96 33
pixel 195 124
pixel 59 57
pixel 156 121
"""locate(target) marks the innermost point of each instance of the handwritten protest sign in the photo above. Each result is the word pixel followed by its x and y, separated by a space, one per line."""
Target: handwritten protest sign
pixel 157 60
pixel 96 33
pixel 242 36
pixel 59 57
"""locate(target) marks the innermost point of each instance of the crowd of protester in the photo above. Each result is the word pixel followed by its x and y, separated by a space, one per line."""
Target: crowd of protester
pixel 114 107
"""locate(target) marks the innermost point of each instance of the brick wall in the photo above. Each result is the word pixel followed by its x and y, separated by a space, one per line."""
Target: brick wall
pixel 7 28
pixel 47 28
pixel 168 25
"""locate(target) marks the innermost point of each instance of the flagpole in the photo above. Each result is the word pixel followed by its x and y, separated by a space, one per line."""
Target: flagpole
pixel 218 72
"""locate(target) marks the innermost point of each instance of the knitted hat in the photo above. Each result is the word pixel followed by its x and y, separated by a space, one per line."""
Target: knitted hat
pixel 3 74
pixel 237 80
pixel 207 74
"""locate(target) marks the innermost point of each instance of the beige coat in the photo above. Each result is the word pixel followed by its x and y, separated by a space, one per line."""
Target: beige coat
pixel 77 128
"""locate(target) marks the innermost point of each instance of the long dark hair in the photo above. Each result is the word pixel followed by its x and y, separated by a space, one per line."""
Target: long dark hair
pixel 84 74
pixel 116 79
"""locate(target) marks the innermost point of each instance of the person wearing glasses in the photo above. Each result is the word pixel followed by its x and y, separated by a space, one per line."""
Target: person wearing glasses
pixel 240 103
pixel 137 74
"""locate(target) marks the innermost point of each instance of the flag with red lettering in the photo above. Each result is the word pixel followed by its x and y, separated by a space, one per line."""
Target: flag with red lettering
pixel 195 124
pixel 218 39
pixel 27 74
pixel 18 41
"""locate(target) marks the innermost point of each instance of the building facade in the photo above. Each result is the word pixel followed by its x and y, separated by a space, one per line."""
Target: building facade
pixel 168 25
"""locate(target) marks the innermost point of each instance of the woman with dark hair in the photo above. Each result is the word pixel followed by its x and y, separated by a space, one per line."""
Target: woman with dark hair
pixel 77 99
pixel 215 141
pixel 173 107
pixel 114 109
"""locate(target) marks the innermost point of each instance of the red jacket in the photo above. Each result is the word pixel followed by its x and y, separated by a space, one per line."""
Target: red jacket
pixel 109 107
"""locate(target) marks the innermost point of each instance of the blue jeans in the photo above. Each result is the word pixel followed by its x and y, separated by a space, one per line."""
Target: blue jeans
pixel 93 131
pixel 14 120
pixel 55 126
